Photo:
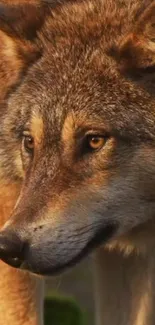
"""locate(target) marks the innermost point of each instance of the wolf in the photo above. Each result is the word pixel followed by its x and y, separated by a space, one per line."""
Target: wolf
pixel 77 142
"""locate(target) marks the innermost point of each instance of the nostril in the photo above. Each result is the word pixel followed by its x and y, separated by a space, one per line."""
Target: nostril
pixel 11 248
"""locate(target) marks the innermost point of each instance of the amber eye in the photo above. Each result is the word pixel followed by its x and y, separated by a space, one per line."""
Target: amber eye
pixel 95 142
pixel 28 143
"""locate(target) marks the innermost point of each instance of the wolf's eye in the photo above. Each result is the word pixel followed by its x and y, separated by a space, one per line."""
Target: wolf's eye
pixel 28 143
pixel 95 142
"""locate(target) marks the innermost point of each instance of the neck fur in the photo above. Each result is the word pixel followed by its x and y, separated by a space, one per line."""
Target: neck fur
pixel 124 287
pixel 21 294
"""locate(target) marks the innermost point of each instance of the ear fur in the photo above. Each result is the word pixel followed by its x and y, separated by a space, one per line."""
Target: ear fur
pixel 22 18
pixel 137 50
pixel 19 23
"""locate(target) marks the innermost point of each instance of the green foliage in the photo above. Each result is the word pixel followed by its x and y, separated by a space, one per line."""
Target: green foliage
pixel 60 311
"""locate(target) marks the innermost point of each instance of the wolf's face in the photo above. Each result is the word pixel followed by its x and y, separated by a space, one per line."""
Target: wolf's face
pixel 79 134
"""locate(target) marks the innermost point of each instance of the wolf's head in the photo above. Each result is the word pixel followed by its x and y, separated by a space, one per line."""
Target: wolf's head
pixel 77 127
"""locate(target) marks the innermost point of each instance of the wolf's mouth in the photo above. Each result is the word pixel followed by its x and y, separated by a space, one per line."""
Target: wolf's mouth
pixel 13 261
pixel 101 237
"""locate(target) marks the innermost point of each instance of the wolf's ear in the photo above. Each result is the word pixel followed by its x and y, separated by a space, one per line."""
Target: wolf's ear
pixel 19 24
pixel 22 18
pixel 137 50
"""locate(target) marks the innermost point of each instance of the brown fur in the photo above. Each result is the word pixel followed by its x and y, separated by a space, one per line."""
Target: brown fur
pixel 79 68
pixel 21 294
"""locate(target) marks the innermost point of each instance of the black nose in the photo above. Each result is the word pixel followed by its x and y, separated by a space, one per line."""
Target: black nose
pixel 11 248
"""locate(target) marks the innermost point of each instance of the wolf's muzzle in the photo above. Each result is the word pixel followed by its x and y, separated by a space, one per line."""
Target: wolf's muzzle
pixel 50 251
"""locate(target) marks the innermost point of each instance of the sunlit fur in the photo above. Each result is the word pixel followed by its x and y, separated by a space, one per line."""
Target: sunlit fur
pixel 87 66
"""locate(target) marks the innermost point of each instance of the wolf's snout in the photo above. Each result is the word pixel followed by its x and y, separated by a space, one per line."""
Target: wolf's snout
pixel 50 248
pixel 11 248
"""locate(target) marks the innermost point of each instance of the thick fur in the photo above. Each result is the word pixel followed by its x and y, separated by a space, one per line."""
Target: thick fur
pixel 88 67
pixel 68 68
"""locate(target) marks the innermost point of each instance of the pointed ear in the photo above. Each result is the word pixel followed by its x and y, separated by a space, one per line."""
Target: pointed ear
pixel 137 50
pixel 22 18
pixel 19 24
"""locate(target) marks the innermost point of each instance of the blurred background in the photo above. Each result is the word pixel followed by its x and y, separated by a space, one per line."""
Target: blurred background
pixel 69 297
